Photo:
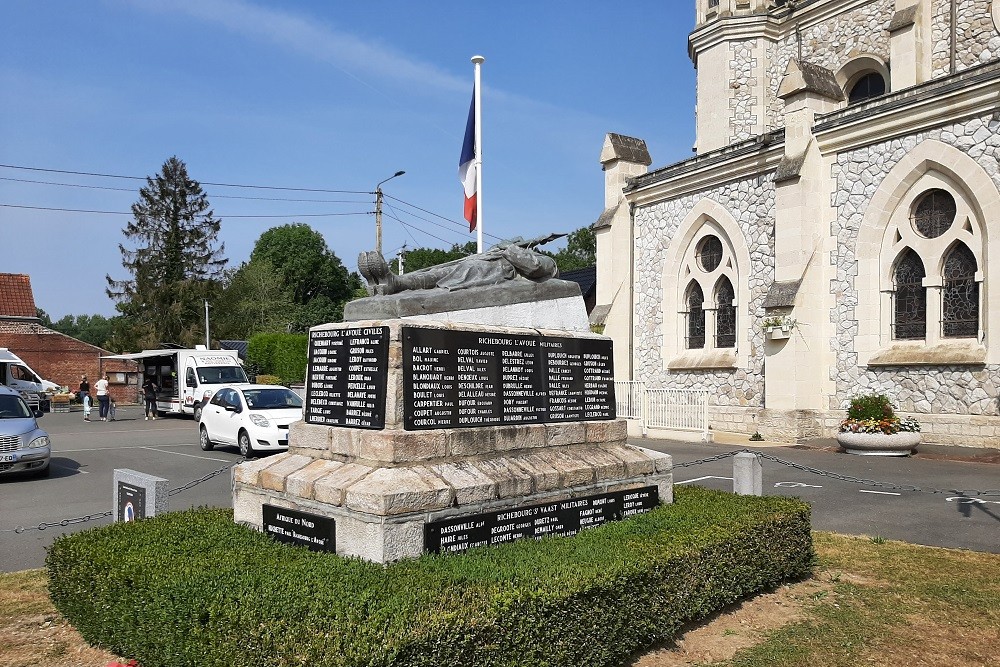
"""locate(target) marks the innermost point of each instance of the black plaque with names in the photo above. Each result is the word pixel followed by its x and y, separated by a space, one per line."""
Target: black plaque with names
pixel 566 517
pixel 455 379
pixel 347 377
pixel 317 533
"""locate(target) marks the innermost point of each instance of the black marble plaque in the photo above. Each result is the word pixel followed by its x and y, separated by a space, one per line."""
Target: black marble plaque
pixel 454 379
pixel 566 517
pixel 317 533
pixel 131 502
pixel 347 376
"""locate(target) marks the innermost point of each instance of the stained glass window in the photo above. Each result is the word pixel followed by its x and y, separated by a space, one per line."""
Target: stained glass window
pixel 909 298
pixel 960 297
pixel 695 317
pixel 710 253
pixel 934 213
pixel 725 314
pixel 869 86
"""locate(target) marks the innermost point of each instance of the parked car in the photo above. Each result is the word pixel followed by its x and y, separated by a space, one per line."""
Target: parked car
pixel 254 417
pixel 23 446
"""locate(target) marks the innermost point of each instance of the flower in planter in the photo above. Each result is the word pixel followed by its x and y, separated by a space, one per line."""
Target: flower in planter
pixel 873 413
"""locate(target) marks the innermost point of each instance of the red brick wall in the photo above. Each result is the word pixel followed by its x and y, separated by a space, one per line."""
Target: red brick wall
pixel 61 359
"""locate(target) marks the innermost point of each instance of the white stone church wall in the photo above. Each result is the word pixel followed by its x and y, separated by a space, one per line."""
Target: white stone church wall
pixel 736 394
pixel 945 391
pixel 743 103
pixel 978 40
pixel 831 44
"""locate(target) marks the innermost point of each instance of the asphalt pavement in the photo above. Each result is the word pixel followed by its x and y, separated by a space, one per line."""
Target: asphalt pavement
pixel 950 510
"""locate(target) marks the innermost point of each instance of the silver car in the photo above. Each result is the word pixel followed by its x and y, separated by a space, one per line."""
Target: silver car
pixel 23 446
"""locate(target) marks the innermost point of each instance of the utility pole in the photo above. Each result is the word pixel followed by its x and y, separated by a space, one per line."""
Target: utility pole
pixel 399 256
pixel 208 339
pixel 378 211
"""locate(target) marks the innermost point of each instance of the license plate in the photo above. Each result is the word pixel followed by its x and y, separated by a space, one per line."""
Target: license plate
pixel 9 458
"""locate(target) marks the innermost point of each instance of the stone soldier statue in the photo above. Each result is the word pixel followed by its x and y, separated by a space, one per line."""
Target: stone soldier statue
pixel 512 260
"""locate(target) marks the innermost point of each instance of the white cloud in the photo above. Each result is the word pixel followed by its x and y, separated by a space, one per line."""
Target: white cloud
pixel 352 55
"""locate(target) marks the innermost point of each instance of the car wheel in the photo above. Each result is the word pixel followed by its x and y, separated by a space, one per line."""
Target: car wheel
pixel 197 414
pixel 206 443
pixel 246 449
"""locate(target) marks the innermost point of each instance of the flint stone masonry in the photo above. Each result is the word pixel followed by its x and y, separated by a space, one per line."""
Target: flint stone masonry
pixel 383 486
pixel 977 43
pixel 921 390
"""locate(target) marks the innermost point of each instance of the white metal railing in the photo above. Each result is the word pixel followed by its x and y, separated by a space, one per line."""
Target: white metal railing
pixel 629 398
pixel 675 409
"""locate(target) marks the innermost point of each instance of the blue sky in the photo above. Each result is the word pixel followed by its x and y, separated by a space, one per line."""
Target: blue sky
pixel 323 95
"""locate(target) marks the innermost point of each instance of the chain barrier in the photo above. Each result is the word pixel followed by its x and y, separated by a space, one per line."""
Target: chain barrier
pixel 968 493
pixel 101 515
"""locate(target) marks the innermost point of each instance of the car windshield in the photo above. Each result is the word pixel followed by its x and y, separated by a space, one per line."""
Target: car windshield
pixel 221 374
pixel 12 407
pixel 278 398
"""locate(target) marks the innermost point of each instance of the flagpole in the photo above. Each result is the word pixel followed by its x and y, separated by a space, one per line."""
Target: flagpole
pixel 478 61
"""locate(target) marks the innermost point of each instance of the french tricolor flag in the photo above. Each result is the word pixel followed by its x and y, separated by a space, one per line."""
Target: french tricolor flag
pixel 467 165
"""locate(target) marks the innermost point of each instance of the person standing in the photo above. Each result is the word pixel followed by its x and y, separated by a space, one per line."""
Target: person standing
pixel 102 396
pixel 149 390
pixel 84 391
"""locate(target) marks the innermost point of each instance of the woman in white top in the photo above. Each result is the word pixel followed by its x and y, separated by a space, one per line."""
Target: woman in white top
pixel 102 396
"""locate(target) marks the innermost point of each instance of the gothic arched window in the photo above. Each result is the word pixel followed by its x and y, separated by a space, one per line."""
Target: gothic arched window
pixel 934 213
pixel 868 86
pixel 710 253
pixel 909 298
pixel 960 296
pixel 725 314
pixel 695 317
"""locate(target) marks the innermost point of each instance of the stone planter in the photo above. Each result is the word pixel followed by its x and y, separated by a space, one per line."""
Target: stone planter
pixel 879 444
pixel 778 333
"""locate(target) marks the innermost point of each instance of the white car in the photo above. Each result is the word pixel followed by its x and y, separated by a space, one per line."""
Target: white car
pixel 254 417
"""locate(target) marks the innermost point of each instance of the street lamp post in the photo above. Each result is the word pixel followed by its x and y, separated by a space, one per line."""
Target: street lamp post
pixel 378 211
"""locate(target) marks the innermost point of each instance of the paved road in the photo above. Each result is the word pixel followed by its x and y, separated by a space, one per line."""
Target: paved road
pixel 957 518
pixel 83 462
pixel 85 455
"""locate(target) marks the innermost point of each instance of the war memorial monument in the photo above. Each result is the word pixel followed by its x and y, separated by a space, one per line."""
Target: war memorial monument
pixel 461 405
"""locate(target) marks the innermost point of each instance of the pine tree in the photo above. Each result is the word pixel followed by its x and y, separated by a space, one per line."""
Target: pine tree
pixel 176 262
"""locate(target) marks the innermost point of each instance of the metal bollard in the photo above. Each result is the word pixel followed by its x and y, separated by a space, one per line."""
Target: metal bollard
pixel 748 475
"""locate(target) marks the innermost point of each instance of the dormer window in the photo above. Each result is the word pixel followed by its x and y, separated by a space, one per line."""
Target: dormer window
pixel 868 86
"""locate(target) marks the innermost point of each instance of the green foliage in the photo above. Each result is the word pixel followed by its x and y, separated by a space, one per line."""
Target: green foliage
pixel 175 265
pixel 255 300
pixel 316 279
pixel 268 379
pixel 283 355
pixel 93 329
pixel 870 406
pixel 421 258
pixel 196 589
pixel 580 251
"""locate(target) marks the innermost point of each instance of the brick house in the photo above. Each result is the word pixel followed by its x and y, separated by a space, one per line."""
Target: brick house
pixel 53 355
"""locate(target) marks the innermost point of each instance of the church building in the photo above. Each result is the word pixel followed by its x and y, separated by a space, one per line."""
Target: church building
pixel 837 231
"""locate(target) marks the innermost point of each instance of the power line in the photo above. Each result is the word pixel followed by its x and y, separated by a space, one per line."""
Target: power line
pixel 106 187
pixel 218 185
pixel 454 222
pixel 422 231
pixel 289 215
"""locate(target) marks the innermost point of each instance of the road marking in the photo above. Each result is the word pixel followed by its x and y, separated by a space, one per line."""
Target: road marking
pixel 795 485
pixel 966 500
pixel 881 493
pixel 194 456
pixel 103 449
pixel 59 465
pixel 698 479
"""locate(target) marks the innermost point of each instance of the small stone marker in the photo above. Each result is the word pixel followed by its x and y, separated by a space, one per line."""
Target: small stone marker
pixel 748 475
pixel 138 495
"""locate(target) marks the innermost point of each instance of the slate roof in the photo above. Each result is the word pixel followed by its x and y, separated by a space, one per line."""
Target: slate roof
pixel 586 278
pixel 240 346
pixel 16 298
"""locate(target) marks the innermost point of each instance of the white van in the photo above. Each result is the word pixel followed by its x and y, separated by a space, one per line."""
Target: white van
pixel 187 378
pixel 17 375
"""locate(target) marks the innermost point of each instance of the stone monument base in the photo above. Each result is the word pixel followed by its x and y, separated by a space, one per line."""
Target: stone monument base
pixel 381 502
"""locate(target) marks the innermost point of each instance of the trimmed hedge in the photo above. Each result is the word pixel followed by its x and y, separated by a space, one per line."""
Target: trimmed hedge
pixel 193 588
pixel 284 355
